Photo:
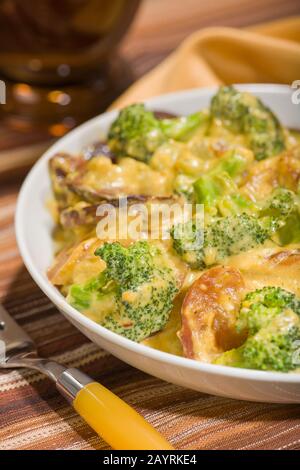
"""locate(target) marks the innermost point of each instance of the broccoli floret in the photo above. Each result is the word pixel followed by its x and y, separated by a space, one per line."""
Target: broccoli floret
pixel 137 133
pixel 182 127
pixel 234 204
pixel 129 267
pixel 134 295
pixel 235 234
pixel 82 296
pixel 271 317
pixel 281 203
pixel 289 232
pixel 210 187
pixel 244 113
pixel 221 238
pixel 188 241
pixel 281 213
pixel 273 348
pixel 221 180
pixel 231 107
pixel 260 306
pixel 243 224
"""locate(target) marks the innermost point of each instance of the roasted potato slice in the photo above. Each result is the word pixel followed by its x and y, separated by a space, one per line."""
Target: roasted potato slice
pixel 64 167
pixel 289 169
pixel 101 179
pixel 76 264
pixel 280 171
pixel 261 179
pixel 78 215
pixel 85 214
pixel 269 266
pixel 209 313
pixel 60 166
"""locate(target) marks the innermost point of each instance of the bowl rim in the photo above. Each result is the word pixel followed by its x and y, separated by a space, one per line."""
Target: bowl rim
pixel 59 301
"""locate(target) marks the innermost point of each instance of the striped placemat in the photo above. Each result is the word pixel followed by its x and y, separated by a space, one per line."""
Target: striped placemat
pixel 34 416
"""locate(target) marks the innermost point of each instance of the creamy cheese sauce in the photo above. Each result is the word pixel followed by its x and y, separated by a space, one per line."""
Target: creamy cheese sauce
pixel 127 177
pixel 267 265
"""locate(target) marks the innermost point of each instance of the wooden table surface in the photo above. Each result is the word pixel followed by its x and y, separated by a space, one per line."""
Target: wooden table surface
pixel 158 29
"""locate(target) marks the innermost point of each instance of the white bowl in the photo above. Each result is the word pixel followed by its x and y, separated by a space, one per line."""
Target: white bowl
pixel 33 229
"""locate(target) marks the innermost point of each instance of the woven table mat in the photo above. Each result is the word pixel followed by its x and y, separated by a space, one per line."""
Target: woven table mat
pixel 34 416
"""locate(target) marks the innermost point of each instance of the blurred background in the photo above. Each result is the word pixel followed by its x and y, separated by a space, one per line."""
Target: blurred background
pixel 64 61
pixel 161 25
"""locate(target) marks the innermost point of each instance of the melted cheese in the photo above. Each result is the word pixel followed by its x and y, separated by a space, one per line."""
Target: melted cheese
pixel 268 265
pixel 167 339
pixel 128 177
pixel 272 266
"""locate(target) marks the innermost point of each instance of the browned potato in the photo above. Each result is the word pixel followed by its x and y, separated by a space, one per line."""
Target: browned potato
pixel 211 305
pixel 209 313
pixel 64 167
pixel 76 264
pixel 84 213
pixel 60 165
pixel 261 179
pixel 289 168
pixel 266 175
pixel 273 266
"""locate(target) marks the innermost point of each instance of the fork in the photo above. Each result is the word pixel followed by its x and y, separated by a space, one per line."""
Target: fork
pixel 113 419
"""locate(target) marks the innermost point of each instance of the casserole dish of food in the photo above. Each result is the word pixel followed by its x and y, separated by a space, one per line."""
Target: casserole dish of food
pixel 211 302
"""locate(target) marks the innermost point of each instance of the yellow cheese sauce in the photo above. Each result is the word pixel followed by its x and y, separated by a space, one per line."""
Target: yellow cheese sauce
pixel 275 266
pixel 260 267
pixel 295 135
pixel 167 339
pixel 127 177
pixel 173 165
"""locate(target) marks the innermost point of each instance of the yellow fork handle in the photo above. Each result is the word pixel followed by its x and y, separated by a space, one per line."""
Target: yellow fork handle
pixel 115 421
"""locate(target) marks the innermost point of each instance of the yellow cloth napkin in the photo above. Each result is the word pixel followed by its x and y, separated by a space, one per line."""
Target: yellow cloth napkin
pixel 265 53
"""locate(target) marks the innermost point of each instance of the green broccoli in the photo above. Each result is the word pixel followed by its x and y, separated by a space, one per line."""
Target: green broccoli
pixel 223 237
pixel 282 213
pixel 260 306
pixel 134 295
pixel 243 113
pixel 234 234
pixel 137 133
pixel 209 188
pixel 234 204
pixel 188 241
pixel 220 182
pixel 234 162
pixel 82 296
pixel 183 127
pixel 271 318
pixel 129 267
pixel 231 106
pixel 282 206
pixel 281 203
pixel 242 226
pixel 289 232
